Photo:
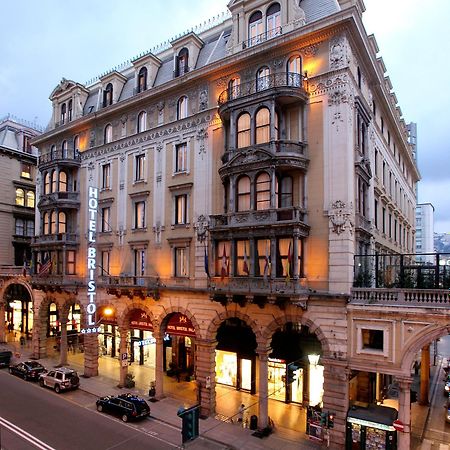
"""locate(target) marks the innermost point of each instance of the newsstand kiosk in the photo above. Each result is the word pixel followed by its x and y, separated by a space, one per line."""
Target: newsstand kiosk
pixel 370 428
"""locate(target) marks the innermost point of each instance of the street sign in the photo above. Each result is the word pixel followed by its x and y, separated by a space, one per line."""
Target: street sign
pixel 124 356
pixel 398 425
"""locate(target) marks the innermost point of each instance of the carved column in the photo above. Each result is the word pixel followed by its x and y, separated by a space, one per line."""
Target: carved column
pixel 273 135
pixel 63 343
pixel 336 399
pixel 90 355
pixel 159 363
pixel 425 375
pixel 2 321
pixel 273 189
pixel 123 348
pixel 404 413
pixel 295 256
pixel 205 373
pixel 263 405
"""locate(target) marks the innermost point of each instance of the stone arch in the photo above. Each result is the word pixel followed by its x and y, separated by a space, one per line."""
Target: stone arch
pixel 164 317
pixel 20 281
pixel 70 302
pixel 45 303
pixel 211 332
pixel 278 322
pixel 125 314
pixel 425 337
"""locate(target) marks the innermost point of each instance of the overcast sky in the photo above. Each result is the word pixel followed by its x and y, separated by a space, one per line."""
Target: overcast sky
pixel 43 41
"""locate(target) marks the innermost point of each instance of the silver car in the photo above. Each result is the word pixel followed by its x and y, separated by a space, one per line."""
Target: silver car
pixel 61 379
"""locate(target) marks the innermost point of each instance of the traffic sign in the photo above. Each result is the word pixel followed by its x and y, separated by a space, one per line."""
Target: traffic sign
pixel 398 425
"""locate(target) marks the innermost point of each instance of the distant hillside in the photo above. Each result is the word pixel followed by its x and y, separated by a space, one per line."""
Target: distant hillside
pixel 442 242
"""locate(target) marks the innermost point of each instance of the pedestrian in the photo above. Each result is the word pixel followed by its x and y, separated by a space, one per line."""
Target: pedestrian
pixel 240 414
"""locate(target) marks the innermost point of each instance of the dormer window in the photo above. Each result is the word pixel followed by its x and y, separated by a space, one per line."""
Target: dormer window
pixel 63 113
pixel 142 80
pixel 273 22
pixel 182 62
pixel 255 28
pixel 69 111
pixel 182 108
pixel 108 95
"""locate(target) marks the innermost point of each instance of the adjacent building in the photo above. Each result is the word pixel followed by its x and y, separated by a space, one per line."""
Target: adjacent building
pixel 425 232
pixel 220 193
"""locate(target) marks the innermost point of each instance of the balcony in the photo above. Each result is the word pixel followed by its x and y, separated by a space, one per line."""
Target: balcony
pixel 68 158
pixel 49 240
pixel 57 283
pixel 256 219
pixel 67 200
pixel 263 37
pixel 362 223
pixel 288 84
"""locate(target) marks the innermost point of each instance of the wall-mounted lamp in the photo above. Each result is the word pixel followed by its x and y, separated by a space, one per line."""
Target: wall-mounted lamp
pixel 313 359
pixel 305 76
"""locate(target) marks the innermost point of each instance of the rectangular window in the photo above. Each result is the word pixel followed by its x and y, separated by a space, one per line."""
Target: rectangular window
pixel 382 125
pixel 106 176
pixel 30 228
pixel 372 339
pixel 285 258
pixel 70 262
pixel 222 268
pixel 384 220
pixel 181 254
pixel 139 215
pixel 19 227
pixel 376 163
pixel 139 262
pixel 25 170
pixel 376 214
pixel 390 225
pixel 242 258
pixel 106 220
pixel 139 168
pixel 181 209
pixel 181 158
pixel 263 259
pixel 104 268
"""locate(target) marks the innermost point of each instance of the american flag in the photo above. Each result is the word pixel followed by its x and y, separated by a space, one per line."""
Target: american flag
pixel 46 267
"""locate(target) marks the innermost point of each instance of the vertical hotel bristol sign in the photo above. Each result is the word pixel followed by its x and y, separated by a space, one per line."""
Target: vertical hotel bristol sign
pixel 91 261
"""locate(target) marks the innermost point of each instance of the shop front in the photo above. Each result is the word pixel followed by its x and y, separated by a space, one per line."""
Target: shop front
pixel 278 389
pixel 235 370
pixel 142 342
pixel 371 428
pixel 20 316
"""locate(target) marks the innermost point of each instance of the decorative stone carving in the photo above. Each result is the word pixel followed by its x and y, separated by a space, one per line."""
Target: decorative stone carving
pixel 299 14
pixel 203 100
pixel 310 50
pixel 91 167
pixel 201 226
pixel 340 217
pixel 160 106
pixel 124 119
pixel 338 53
pixel 222 83
pixel 277 63
pixel 92 139
pixel 337 97
pixel 159 147
pixel 122 157
pixel 337 120
pixel 202 135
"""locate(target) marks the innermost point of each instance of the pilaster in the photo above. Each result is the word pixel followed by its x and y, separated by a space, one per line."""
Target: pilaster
pixel 205 362
pixel 90 354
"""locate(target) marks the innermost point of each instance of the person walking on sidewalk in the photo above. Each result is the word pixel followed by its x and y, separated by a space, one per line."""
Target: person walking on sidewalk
pixel 240 414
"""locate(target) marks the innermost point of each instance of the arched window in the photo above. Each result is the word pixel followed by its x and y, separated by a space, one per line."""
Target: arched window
pixel 108 95
pixel 108 134
pixel 294 71
pixel 62 182
pixel 234 88
pixel 273 21
pixel 243 194
pixel 142 80
pixel 142 122
pixel 62 227
pixel 262 126
pixel 20 197
pixel 54 181
pixel 46 224
pixel 182 107
pixel 284 192
pixel 263 191
pixel 69 112
pixel 53 152
pixel 243 130
pixel 30 199
pixel 255 28
pixel 262 79
pixel 182 62
pixel 76 144
pixel 47 183
pixel 63 113
pixel 53 222
pixel 64 149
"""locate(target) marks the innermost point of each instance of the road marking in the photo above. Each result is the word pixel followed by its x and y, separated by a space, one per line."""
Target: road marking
pixel 24 435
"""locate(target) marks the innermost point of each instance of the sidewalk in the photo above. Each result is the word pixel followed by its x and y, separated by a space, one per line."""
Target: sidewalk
pixel 214 434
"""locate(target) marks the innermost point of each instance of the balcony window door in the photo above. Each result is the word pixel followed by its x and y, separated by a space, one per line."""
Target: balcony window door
pixel 243 131
pixel 139 168
pixel 243 194
pixel 62 222
pixel 181 262
pixel 255 28
pixel 69 112
pixel 243 258
pixel 263 79
pixel 139 262
pixel 263 258
pixel 62 181
pixel 273 21
pixel 142 122
pixel 234 88
pixel 284 192
pixel 104 268
pixel 295 71
pixel 106 220
pixel 182 108
pixel 181 158
pixel 182 62
pixel 106 176
pixel 263 184
pixel 181 209
pixel 63 113
pixel 222 266
pixel 262 126
pixel 285 258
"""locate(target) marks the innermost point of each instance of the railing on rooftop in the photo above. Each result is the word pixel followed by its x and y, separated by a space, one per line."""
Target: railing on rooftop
pixel 274 80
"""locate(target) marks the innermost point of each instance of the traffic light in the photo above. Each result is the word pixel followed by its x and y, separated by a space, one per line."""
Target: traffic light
pixel 291 376
pixel 190 418
pixel 331 419
pixel 413 396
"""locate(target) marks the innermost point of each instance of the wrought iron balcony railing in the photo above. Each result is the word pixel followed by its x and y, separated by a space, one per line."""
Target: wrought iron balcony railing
pixel 57 237
pixel 59 154
pixel 255 40
pixel 274 80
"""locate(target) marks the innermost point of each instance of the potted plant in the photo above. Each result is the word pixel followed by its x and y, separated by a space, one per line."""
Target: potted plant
pixel 129 380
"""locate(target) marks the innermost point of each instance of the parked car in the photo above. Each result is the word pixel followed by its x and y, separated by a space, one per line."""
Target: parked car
pixel 447 386
pixel 125 406
pixel 5 357
pixel 61 379
pixel 447 411
pixel 28 370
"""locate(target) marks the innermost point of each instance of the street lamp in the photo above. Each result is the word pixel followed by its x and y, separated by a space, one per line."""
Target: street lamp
pixel 107 312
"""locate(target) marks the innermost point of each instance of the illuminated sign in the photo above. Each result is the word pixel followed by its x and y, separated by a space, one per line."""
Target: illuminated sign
pixel 148 341
pixel 91 261
pixel 367 423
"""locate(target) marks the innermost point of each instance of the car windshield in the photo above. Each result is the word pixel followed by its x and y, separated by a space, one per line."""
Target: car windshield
pixel 140 405
pixel 33 365
pixel 71 375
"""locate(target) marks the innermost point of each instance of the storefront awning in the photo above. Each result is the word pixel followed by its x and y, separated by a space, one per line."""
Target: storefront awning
pixel 180 325
pixel 381 417
pixel 140 320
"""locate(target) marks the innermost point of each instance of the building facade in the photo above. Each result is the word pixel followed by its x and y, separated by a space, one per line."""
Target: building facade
pixel 205 208
pixel 425 231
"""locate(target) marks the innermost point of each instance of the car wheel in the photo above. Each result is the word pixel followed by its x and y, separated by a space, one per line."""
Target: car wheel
pixel 99 408
pixel 41 383
pixel 57 389
pixel 125 418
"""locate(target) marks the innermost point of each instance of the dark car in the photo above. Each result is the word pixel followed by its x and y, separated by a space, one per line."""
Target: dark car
pixel 125 406
pixel 28 370
pixel 5 357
